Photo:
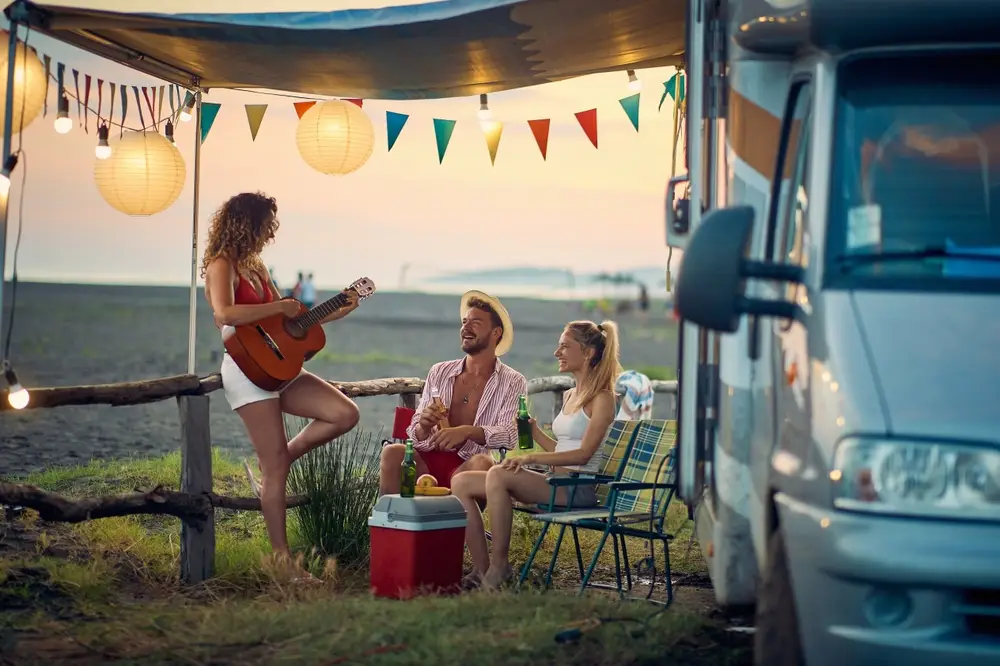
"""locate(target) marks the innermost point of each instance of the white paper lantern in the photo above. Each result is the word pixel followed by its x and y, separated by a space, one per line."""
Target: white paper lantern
pixel 29 84
pixel 144 175
pixel 335 137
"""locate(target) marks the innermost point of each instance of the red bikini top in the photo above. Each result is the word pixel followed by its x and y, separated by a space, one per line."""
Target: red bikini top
pixel 245 294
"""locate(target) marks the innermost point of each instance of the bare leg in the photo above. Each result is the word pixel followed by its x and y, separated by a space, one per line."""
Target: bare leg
pixel 267 434
pixel 388 467
pixel 501 487
pixel 332 412
pixel 468 487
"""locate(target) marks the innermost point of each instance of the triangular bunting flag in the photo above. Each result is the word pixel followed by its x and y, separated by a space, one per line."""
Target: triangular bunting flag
pixel 360 103
pixel 302 107
pixel 209 111
pixel 442 133
pixel 674 86
pixel 492 130
pixel 540 130
pixel 588 121
pixel 394 125
pixel 255 115
pixel 631 106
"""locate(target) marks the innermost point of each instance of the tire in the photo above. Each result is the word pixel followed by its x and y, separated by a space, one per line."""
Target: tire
pixel 777 641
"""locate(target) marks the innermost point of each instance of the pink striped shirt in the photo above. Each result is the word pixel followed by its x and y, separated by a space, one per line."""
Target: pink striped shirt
pixel 495 414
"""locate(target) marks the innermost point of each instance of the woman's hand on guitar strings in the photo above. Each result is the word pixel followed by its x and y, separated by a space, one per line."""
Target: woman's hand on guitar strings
pixel 290 307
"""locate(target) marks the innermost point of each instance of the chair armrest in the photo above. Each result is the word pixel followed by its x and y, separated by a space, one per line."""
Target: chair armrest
pixel 578 481
pixel 638 485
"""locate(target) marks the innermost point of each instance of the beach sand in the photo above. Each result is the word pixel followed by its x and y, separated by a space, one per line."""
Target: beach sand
pixel 82 334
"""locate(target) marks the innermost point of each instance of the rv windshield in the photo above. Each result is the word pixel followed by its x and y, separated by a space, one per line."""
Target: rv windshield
pixel 915 198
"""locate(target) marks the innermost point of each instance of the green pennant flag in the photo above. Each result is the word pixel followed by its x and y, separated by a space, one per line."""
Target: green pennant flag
pixel 394 125
pixel 442 133
pixel 674 86
pixel 209 110
pixel 631 106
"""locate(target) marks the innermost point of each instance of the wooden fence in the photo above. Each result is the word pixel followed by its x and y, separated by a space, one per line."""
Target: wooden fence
pixel 196 502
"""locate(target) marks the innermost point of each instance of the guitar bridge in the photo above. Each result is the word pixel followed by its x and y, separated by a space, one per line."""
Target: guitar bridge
pixel 270 343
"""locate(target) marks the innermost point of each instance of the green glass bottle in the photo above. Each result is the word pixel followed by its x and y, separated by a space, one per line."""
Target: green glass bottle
pixel 408 473
pixel 525 439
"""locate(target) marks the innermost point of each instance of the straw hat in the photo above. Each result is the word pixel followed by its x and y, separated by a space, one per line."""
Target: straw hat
pixel 507 339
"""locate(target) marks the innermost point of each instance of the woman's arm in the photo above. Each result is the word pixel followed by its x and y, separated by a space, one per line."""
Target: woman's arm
pixel 219 283
pixel 542 439
pixel 602 414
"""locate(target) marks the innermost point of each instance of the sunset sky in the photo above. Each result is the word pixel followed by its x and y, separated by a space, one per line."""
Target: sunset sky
pixel 583 209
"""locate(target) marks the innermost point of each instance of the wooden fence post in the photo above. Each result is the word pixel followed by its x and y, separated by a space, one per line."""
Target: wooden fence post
pixel 557 403
pixel 408 400
pixel 197 536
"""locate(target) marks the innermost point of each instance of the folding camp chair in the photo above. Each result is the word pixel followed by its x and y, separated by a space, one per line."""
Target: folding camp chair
pixel 634 505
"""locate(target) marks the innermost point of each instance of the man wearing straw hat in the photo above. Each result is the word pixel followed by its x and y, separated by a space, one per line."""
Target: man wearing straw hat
pixel 468 405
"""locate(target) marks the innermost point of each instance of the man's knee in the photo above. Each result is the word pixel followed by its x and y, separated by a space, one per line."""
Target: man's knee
pixel 392 454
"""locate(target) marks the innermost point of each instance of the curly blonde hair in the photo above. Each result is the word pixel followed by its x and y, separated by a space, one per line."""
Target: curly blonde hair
pixel 240 229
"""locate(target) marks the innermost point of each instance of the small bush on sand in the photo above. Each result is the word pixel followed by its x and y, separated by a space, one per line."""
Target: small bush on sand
pixel 341 481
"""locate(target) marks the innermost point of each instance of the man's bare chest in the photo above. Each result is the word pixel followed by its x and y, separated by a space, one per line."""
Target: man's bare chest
pixel 466 394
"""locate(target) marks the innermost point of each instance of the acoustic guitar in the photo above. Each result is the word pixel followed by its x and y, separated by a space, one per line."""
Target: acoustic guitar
pixel 271 351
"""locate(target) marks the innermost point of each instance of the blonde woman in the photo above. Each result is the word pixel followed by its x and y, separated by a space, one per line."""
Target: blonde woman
pixel 589 352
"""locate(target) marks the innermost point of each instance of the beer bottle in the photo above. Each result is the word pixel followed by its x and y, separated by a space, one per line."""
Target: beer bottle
pixel 408 473
pixel 525 440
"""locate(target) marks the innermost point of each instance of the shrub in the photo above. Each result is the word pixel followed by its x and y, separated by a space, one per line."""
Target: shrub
pixel 341 481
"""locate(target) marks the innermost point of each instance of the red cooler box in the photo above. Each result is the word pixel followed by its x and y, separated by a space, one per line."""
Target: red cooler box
pixel 417 545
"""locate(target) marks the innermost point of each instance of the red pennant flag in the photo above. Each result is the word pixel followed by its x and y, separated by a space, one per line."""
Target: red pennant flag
pixel 540 129
pixel 302 107
pixel 588 121
pixel 360 103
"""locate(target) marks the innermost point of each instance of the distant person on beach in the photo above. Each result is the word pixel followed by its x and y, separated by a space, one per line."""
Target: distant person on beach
pixel 468 405
pixel 274 280
pixel 308 292
pixel 296 291
pixel 589 352
pixel 239 290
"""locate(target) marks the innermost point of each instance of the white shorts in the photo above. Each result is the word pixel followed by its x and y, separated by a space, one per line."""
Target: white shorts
pixel 240 390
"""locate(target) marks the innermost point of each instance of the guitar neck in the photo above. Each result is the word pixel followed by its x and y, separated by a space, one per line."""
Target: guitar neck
pixel 321 311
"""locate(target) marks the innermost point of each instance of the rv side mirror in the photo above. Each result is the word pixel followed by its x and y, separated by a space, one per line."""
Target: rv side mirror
pixel 677 213
pixel 712 281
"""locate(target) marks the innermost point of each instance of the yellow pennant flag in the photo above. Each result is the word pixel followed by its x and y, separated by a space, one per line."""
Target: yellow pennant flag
pixel 492 130
pixel 255 115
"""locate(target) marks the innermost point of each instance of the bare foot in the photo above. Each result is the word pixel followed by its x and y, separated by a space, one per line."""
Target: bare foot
pixel 472 581
pixel 495 577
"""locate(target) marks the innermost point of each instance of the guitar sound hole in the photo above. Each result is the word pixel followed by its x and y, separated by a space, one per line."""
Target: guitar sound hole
pixel 295 330
pixel 270 343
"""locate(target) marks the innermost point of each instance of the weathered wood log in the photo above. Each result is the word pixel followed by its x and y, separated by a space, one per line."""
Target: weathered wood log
pixel 197 535
pixel 155 390
pixel 158 501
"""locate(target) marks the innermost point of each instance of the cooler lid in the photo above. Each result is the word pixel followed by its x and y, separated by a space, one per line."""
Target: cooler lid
pixel 421 509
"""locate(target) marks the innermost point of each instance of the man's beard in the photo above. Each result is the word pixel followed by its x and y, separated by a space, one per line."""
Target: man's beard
pixel 473 347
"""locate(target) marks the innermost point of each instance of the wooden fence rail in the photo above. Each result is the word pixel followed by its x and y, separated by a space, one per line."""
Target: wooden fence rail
pixel 195 504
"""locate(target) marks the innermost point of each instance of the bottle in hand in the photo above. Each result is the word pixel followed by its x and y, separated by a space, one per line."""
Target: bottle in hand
pixel 408 472
pixel 525 439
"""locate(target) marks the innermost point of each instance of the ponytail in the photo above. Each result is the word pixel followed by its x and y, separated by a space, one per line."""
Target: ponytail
pixel 605 365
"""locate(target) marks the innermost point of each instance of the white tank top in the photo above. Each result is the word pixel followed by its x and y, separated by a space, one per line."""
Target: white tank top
pixel 569 430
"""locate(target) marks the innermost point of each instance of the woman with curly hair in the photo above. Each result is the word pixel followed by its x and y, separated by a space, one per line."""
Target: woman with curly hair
pixel 240 291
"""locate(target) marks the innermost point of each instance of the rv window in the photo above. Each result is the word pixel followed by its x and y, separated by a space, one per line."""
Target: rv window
pixel 916 171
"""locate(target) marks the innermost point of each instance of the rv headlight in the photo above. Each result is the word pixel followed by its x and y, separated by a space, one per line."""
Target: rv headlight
pixel 917 478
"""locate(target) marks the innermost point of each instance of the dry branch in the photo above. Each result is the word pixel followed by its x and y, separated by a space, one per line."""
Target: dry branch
pixel 155 390
pixel 158 501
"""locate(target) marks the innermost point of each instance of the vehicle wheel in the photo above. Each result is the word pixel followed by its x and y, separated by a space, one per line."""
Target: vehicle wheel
pixel 776 639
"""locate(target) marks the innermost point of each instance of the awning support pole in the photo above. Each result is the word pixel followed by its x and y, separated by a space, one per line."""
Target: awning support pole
pixel 8 134
pixel 193 301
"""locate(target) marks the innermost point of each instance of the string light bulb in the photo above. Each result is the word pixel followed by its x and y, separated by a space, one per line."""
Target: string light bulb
pixel 63 122
pixel 188 110
pixel 168 132
pixel 17 395
pixel 484 108
pixel 103 150
pixel 8 168
pixel 633 81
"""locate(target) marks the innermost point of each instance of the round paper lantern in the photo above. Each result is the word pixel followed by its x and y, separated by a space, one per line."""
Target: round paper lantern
pixel 144 174
pixel 29 84
pixel 335 137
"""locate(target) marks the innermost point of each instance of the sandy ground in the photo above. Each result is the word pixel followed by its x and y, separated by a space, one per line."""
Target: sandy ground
pixel 73 334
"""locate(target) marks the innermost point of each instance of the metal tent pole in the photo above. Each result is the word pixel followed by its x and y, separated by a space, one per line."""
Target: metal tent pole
pixel 8 132
pixel 193 300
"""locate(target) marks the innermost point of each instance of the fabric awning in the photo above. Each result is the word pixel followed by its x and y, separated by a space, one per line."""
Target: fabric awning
pixel 450 48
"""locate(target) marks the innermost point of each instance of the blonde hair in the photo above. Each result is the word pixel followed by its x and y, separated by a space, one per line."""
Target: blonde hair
pixel 604 364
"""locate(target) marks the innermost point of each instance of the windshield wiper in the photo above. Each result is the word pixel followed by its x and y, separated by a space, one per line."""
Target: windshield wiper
pixel 849 261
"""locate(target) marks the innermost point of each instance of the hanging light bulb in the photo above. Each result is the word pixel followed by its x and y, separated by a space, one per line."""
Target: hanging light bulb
pixel 63 122
pixel 168 132
pixel 484 108
pixel 188 109
pixel 17 395
pixel 103 150
pixel 633 81
pixel 8 167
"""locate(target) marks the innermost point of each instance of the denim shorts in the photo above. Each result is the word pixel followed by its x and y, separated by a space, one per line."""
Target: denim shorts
pixel 583 496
